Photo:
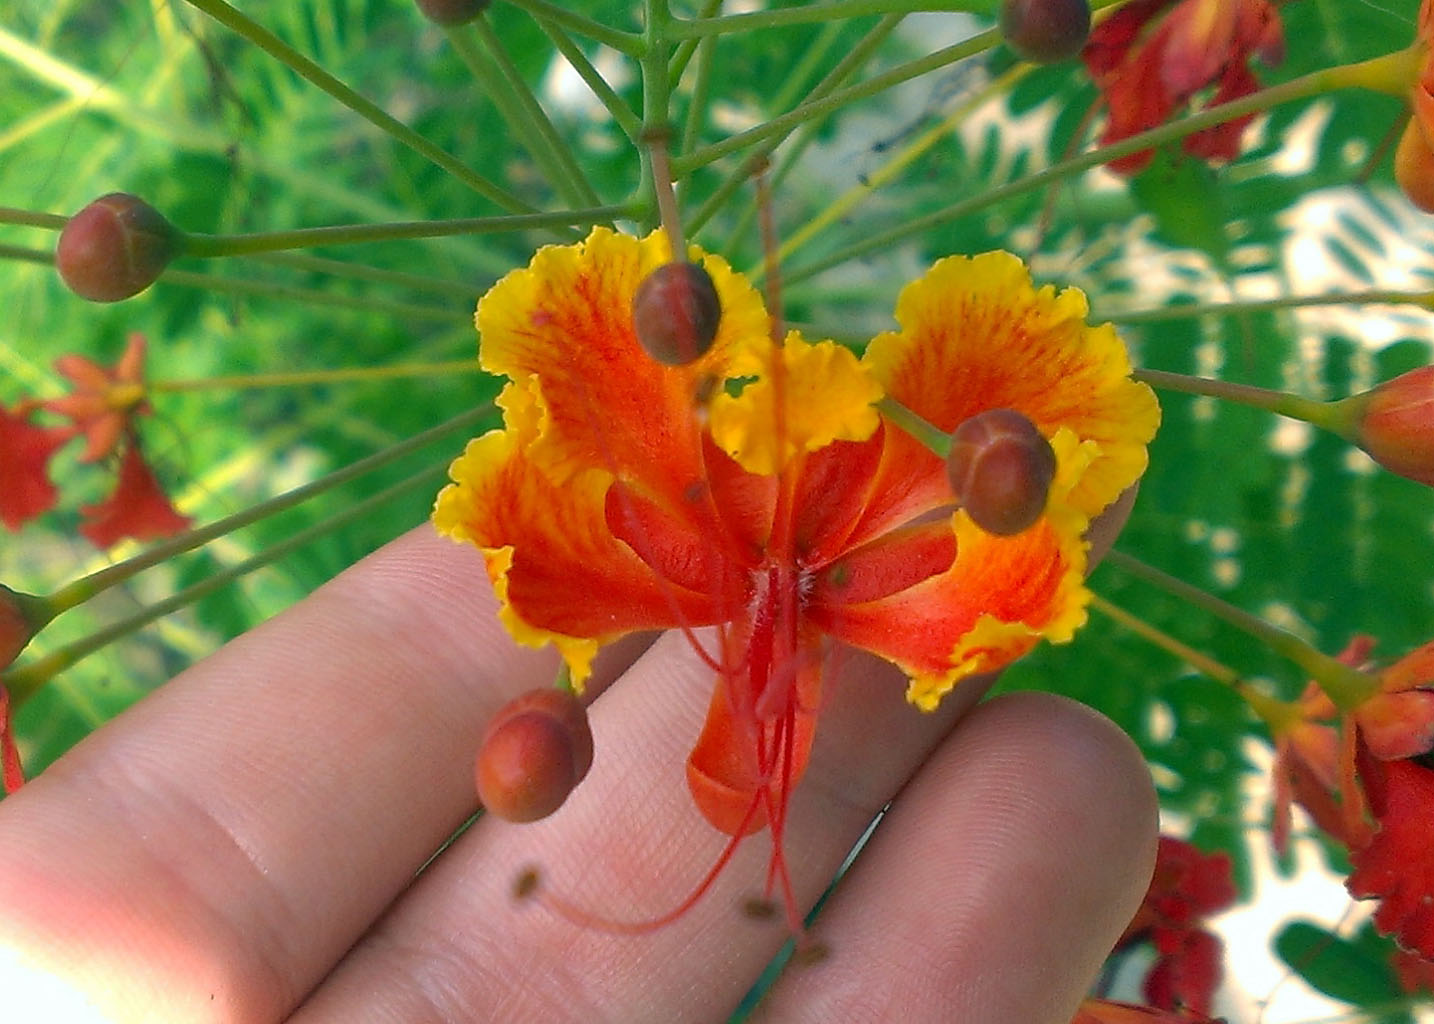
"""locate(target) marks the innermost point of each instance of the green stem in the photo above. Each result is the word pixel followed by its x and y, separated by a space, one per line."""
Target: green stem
pixel 1183 311
pixel 238 286
pixel 81 590
pixel 702 87
pixel 1321 414
pixel 682 52
pixel 25 681
pixel 629 122
pixel 367 109
pixel 210 246
pixel 1366 74
pixel 931 436
pixel 304 378
pixel 524 115
pixel 814 108
pixel 848 201
pixel 1216 670
pixel 1347 687
pixel 629 43
pixel 656 100
pixel 1277 714
pixel 845 68
pixel 363 272
pixel 32 218
pixel 697 28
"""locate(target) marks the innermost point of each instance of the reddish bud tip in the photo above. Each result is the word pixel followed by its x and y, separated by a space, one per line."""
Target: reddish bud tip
pixel 21 617
pixel 1414 167
pixel 1001 470
pixel 1394 423
pixel 675 313
pixel 1045 31
pixel 534 753
pixel 115 248
pixel 452 12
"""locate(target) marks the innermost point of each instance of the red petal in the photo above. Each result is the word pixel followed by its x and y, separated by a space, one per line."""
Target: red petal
pixel 725 771
pixel 1397 866
pixel 11 772
pixel 138 508
pixel 25 453
pixel 1189 976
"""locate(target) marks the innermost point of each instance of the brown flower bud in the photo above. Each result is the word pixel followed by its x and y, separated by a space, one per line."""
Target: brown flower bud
pixel 535 751
pixel 115 248
pixel 1045 31
pixel 1001 470
pixel 675 313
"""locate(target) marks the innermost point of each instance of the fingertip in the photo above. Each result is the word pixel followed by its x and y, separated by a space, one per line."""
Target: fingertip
pixel 998 881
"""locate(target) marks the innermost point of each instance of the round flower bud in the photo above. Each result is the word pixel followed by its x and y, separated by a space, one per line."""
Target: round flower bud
pixel 535 751
pixel 1414 167
pixel 115 247
pixel 675 313
pixel 1001 470
pixel 1045 31
pixel 1394 424
pixel 452 12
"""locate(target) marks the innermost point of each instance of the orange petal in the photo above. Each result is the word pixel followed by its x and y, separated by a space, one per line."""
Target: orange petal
pixel 566 319
pixel 561 574
pixel 976 335
pixel 724 773
pixel 999 598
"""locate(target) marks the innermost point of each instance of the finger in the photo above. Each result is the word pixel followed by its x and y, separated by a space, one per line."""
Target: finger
pixel 629 844
pixel 996 884
pixel 211 853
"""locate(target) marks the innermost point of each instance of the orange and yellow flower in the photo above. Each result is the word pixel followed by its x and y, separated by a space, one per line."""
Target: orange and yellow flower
pixel 759 490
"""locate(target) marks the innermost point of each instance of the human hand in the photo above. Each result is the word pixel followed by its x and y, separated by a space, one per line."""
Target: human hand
pixel 242 845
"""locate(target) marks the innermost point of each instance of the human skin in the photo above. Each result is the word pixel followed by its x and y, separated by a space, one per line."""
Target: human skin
pixel 241 845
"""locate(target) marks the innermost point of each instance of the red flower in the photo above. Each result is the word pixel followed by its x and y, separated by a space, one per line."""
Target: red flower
pixel 1372 790
pixel 1187 887
pixel 1152 57
pixel 12 773
pixel 104 402
pixel 138 508
pixel 25 453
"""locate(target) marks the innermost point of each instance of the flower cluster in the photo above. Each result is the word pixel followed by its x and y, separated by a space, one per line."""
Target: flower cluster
pixel 758 490
pixel 1363 775
pixel 1153 57
pixel 101 408
pixel 1187 887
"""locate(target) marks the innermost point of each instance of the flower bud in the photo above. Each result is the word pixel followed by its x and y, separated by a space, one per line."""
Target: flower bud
pixel 1394 423
pixel 1414 167
pixel 1045 31
pixel 675 313
pixel 1001 470
pixel 21 617
pixel 452 12
pixel 535 751
pixel 115 248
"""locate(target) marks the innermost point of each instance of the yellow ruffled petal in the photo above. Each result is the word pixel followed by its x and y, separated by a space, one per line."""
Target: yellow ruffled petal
pixel 825 395
pixel 977 335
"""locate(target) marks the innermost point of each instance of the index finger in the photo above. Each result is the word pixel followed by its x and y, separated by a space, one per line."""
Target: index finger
pixel 212 852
